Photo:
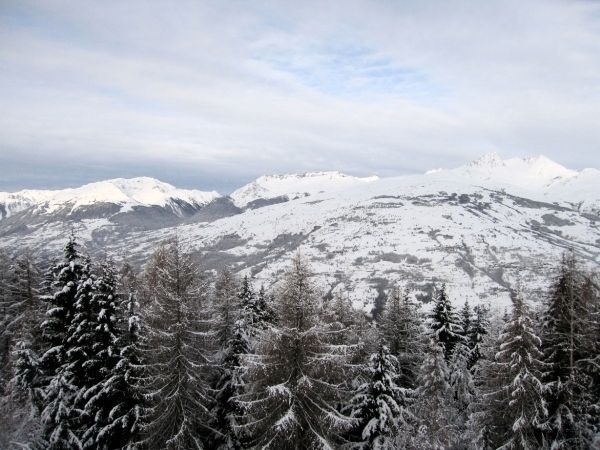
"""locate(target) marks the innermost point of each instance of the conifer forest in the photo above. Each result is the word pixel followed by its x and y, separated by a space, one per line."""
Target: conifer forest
pixel 97 355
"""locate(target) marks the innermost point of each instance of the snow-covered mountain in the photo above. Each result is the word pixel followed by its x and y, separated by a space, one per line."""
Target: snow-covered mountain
pixel 480 228
pixel 293 186
pixel 124 193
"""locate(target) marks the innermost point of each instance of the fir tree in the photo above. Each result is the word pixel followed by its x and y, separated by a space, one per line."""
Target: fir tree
pixel 565 346
pixel 478 331
pixel 381 406
pixel 178 351
pixel 400 327
pixel 266 315
pixel 228 410
pixel 107 397
pixel 519 360
pixel 461 380
pixel 295 375
pixel 20 298
pixel 59 417
pixel 226 306
pixel 445 324
pixel 122 425
pixel 435 407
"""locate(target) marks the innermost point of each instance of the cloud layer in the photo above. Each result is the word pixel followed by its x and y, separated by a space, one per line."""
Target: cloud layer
pixel 212 94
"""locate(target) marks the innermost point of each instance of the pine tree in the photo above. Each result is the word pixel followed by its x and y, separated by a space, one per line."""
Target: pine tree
pixel 59 417
pixel 400 326
pixel 381 406
pixel 226 306
pixel 258 314
pixel 121 427
pixel 461 380
pixel 234 325
pixel 295 375
pixel 520 362
pixel 228 410
pixel 564 343
pixel 108 397
pixel 5 319
pixel 435 407
pixel 23 314
pixel 178 351
pixel 266 314
pixel 79 359
pixel 478 331
pixel 25 310
pixel 445 323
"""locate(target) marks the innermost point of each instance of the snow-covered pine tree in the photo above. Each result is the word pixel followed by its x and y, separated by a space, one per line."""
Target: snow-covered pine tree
pixel 264 306
pixel 400 325
pixel 123 387
pixel 59 418
pixel 227 306
pixel 445 323
pixel 296 374
pixel 565 323
pixel 26 313
pixel 519 361
pixel 380 406
pixel 461 381
pixel 478 331
pixel 108 396
pixel 486 420
pixel 591 293
pixel 5 318
pixel 178 349
pixel 234 325
pixel 81 336
pixel 228 411
pixel 435 408
pixel 466 319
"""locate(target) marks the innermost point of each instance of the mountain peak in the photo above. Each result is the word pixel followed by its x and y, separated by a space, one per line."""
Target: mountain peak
pixel 126 192
pixel 295 185
pixel 490 160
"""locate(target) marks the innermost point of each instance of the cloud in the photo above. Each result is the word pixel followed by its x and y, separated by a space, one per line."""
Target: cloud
pixel 212 94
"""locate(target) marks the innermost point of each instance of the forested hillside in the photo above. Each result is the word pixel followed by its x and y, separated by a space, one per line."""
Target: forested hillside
pixel 97 356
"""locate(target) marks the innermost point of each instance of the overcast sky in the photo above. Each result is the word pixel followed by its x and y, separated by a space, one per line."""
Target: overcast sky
pixel 210 95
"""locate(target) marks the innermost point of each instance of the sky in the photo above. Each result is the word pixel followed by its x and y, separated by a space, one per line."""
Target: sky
pixel 212 94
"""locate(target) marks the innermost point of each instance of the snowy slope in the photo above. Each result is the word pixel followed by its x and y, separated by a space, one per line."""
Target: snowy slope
pixel 126 193
pixel 479 228
pixel 295 186
pixel 536 177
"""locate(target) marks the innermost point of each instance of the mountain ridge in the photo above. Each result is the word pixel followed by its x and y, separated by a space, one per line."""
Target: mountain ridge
pixel 478 228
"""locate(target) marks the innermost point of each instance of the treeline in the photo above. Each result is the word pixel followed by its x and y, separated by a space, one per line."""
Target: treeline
pixel 95 357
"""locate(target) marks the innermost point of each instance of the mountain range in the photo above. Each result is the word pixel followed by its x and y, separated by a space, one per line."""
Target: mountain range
pixel 480 228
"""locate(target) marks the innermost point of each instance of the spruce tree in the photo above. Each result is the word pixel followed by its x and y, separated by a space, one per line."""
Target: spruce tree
pixel 228 411
pixel 380 406
pixel 295 375
pixel 400 326
pixel 178 350
pixel 124 385
pixel 478 331
pixel 59 417
pixel 519 361
pixel 435 407
pixel 461 380
pixel 565 346
pixel 107 397
pixel 445 323
pixel 19 416
pixel 227 306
